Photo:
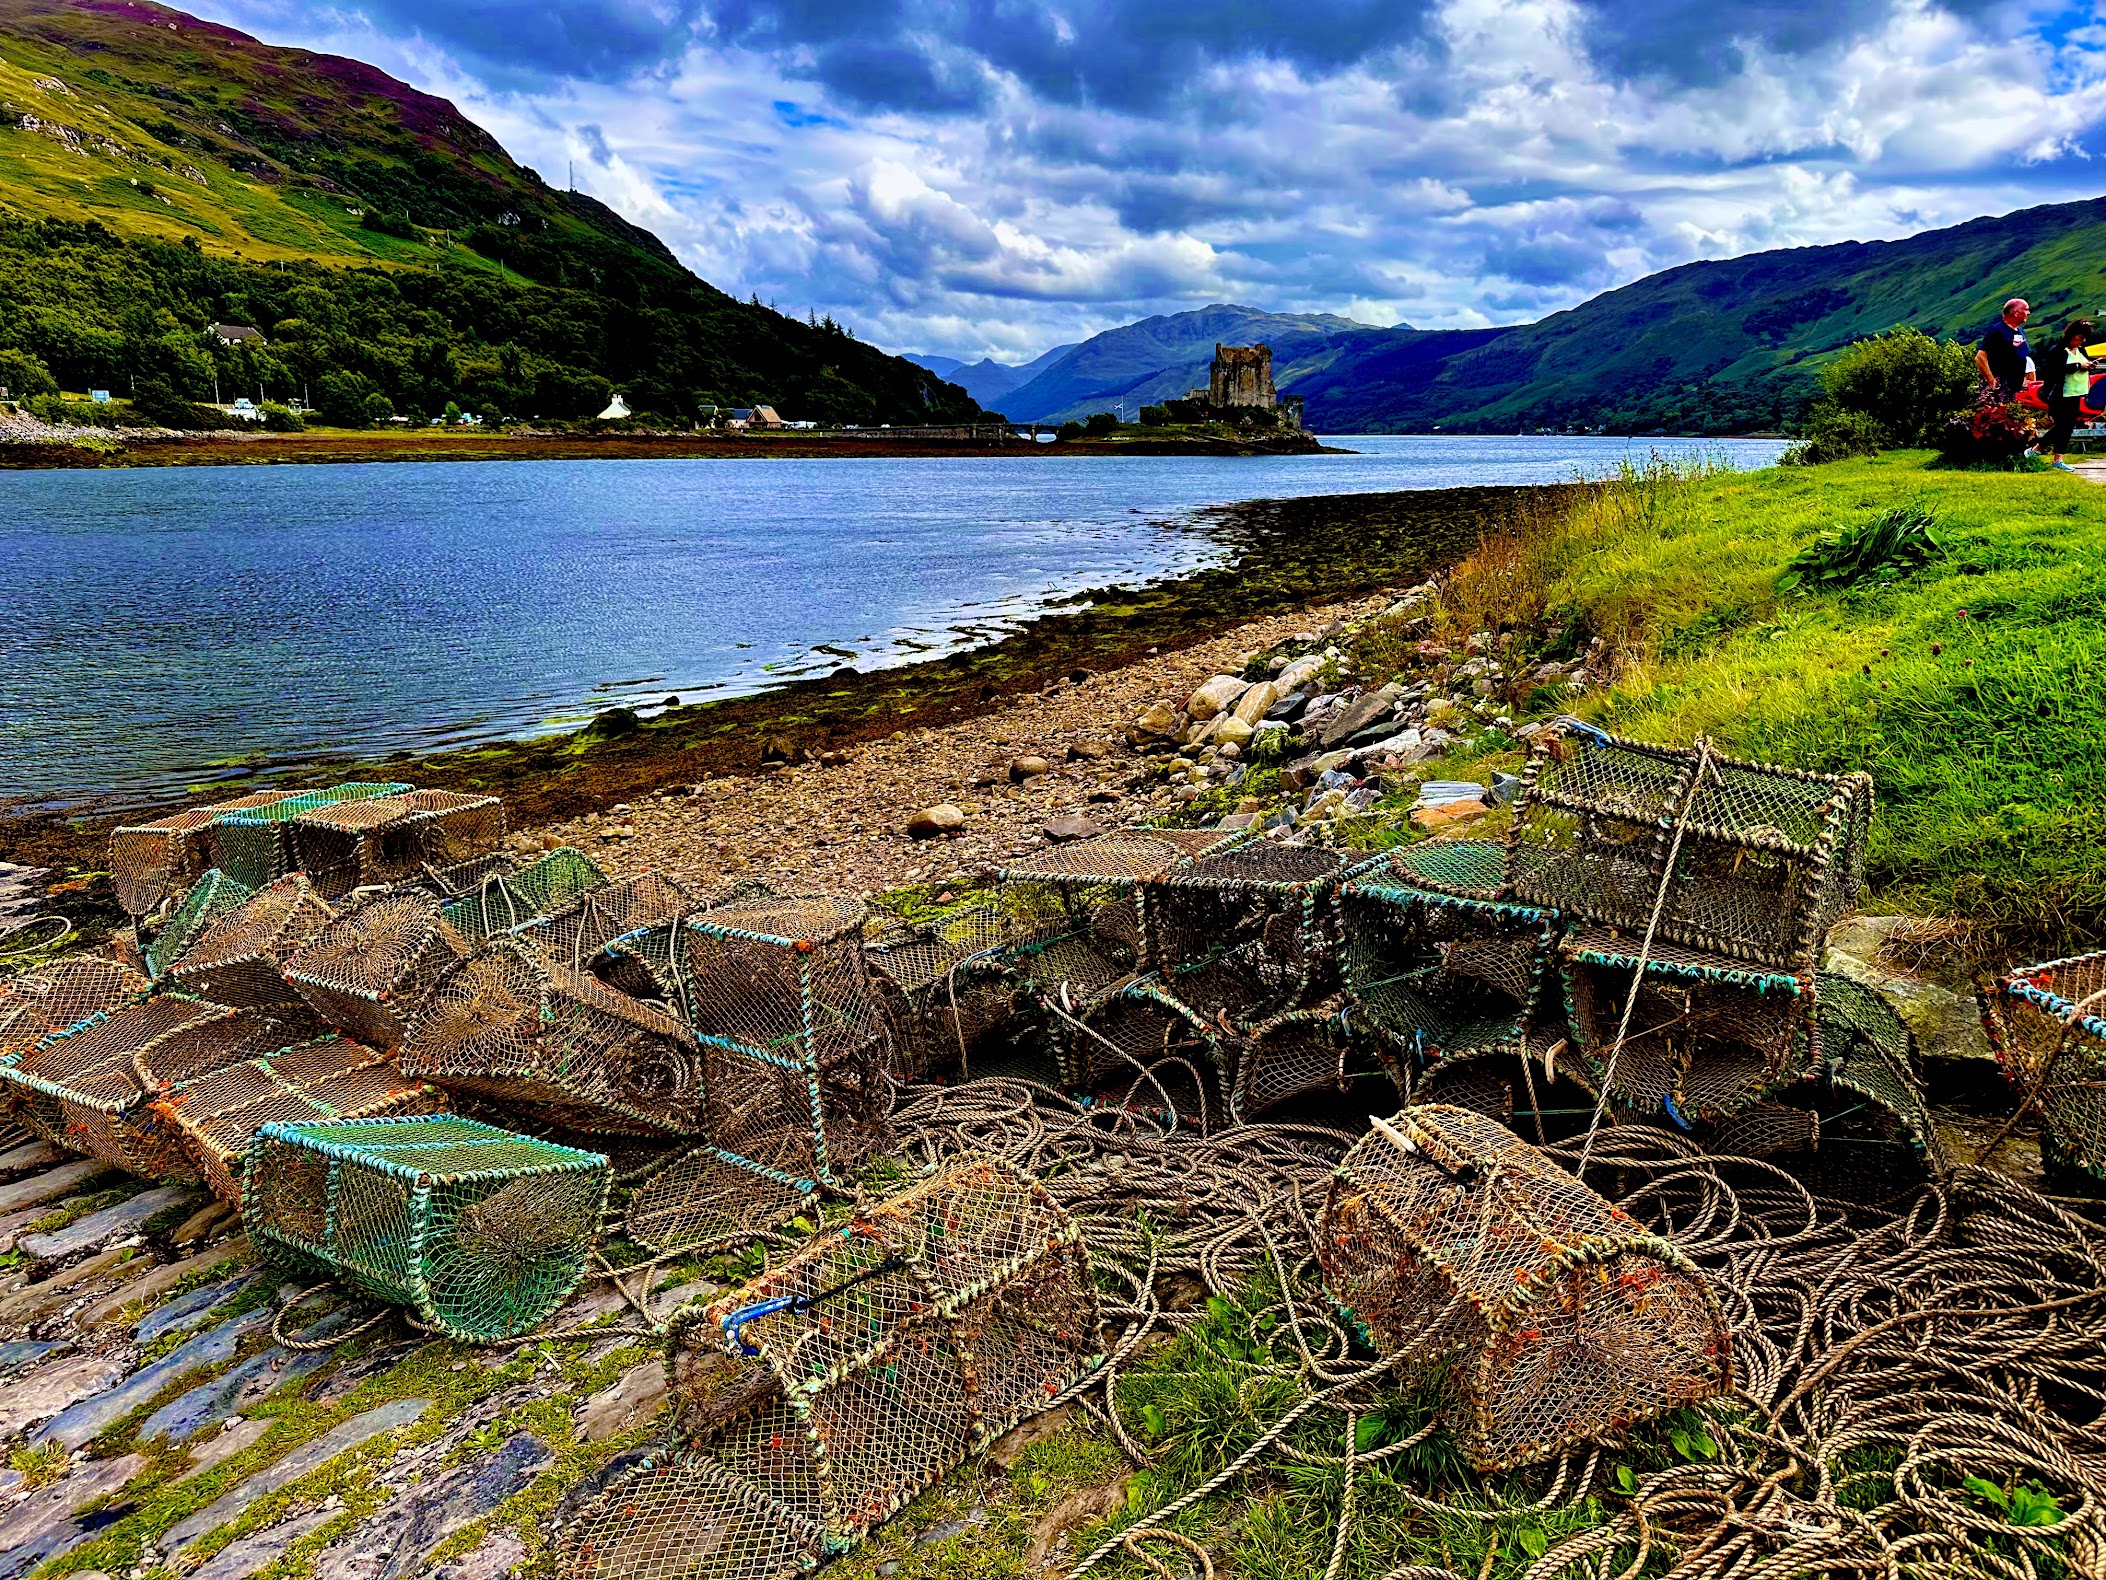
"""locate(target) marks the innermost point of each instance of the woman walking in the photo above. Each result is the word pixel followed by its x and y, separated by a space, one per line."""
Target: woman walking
pixel 2068 378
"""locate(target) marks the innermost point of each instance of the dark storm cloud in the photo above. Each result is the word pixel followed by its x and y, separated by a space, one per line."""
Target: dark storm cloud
pixel 1699 43
pixel 598 40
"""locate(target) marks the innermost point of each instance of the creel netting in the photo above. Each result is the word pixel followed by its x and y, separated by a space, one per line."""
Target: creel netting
pixel 367 972
pixel 255 845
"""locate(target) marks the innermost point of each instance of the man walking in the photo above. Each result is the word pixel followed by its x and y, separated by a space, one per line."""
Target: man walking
pixel 2004 360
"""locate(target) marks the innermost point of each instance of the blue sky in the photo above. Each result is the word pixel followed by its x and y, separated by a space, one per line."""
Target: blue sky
pixel 993 176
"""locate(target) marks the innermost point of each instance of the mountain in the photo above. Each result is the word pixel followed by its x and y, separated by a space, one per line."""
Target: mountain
pixel 1718 346
pixel 1161 358
pixel 987 380
pixel 159 173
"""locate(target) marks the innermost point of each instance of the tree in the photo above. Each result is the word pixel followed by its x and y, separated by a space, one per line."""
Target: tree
pixel 24 375
pixel 452 414
pixel 1100 425
pixel 379 408
pixel 341 398
pixel 1907 384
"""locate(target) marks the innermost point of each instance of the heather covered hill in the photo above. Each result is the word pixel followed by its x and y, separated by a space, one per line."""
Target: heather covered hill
pixel 159 173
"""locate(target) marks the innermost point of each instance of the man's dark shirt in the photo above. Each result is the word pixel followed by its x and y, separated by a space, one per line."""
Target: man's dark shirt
pixel 2005 347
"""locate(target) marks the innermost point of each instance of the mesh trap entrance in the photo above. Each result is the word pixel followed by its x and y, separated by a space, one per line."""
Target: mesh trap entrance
pixel 1770 857
pixel 240 959
pixel 218 1115
pixel 150 861
pixel 796 1061
pixel 210 898
pixel 1710 1035
pixel 86 1087
pixel 1564 1319
pixel 1292 1055
pixel 501 901
pixel 837 1387
pixel 368 972
pixel 577 934
pixel 1882 1120
pixel 2050 1022
pixel 481 1232
pixel 509 1027
pixel 393 839
pixel 254 845
pixel 942 985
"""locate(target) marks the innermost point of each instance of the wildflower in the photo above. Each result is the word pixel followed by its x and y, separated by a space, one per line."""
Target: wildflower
pixel 1937 648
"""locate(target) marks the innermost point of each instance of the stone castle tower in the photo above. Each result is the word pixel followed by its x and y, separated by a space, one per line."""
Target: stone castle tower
pixel 1241 376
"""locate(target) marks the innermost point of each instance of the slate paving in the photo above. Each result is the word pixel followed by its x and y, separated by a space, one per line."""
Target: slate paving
pixel 138 1351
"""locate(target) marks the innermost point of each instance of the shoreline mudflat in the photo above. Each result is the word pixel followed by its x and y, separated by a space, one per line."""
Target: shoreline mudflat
pixel 1286 556
pixel 115 449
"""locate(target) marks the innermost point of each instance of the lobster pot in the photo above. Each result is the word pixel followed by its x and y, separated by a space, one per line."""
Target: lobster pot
pixel 941 985
pixel 577 934
pixel 40 1004
pixel 816 1401
pixel 218 1115
pixel 87 1087
pixel 210 898
pixel 1768 1130
pixel 480 1232
pixel 150 861
pixel 240 960
pixel 1249 931
pixel 1443 978
pixel 796 1058
pixel 1293 1055
pixel 1076 909
pixel 2051 1033
pixel 1709 1036
pixel 464 877
pixel 1769 858
pixel 367 972
pixel 705 1201
pixel 1877 1115
pixel 1560 1317
pixel 500 901
pixel 510 1028
pixel 1466 869
pixel 1141 1048
pixel 393 839
pixel 255 846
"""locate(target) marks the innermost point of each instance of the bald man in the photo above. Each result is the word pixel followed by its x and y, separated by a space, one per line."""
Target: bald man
pixel 2005 360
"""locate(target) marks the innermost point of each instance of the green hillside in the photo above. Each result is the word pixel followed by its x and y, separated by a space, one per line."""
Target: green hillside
pixel 159 173
pixel 1715 347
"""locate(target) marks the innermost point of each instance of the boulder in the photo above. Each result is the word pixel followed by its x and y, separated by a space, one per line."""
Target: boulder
pixel 1934 998
pixel 1022 768
pixel 1448 814
pixel 1299 673
pixel 1232 731
pixel 1360 713
pixel 1220 692
pixel 1159 719
pixel 1255 703
pixel 940 819
pixel 1074 826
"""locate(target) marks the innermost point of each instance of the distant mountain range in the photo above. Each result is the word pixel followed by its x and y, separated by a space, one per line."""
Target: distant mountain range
pixel 1715 347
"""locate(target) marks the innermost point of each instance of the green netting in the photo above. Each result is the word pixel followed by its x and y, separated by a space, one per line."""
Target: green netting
pixel 1869 1051
pixel 253 845
pixel 1470 868
pixel 502 901
pixel 2050 1025
pixel 148 861
pixel 210 898
pixel 481 1232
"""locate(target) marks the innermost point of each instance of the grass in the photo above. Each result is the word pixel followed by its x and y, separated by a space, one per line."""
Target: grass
pixel 1966 685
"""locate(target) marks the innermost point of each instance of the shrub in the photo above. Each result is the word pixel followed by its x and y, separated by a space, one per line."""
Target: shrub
pixel 1888 545
pixel 1100 425
pixel 1155 416
pixel 1994 434
pixel 340 398
pixel 1070 430
pixel 1904 381
pixel 154 400
pixel 281 419
pixel 379 408
pixel 1185 409
pixel 1832 435
pixel 24 375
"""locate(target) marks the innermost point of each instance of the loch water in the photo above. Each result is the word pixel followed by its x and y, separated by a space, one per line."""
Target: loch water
pixel 159 626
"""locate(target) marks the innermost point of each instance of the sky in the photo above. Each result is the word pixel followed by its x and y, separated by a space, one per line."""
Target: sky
pixel 993 177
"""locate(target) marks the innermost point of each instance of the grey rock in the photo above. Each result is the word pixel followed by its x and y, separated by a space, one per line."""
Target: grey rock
pixel 224 1444
pixel 1073 826
pixel 245 1555
pixel 42 1526
pixel 496 1555
pixel 188 1311
pixel 302 1461
pixel 91 1417
pixel 629 1402
pixel 99 1228
pixel 27 1352
pixel 51 1389
pixel 51 1184
pixel 353 1372
pixel 233 1391
pixel 1359 714
pixel 1936 1003
pixel 397 1539
pixel 34 1155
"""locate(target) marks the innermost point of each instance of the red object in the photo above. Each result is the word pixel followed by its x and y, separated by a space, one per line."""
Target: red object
pixel 2031 398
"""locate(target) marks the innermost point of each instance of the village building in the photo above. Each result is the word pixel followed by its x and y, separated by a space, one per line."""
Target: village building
pixel 239 335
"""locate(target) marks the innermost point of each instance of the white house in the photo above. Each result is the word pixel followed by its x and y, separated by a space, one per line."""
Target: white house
pixel 616 408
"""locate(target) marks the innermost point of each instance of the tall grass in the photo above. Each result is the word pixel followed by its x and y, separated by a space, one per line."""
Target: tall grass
pixel 1971 688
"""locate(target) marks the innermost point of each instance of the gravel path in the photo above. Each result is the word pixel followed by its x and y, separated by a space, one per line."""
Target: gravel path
pixel 840 827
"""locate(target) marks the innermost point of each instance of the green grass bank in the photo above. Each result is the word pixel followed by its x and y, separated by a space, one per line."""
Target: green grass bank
pixel 1972 686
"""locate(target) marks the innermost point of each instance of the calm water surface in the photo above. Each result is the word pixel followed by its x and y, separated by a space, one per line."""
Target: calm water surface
pixel 159 624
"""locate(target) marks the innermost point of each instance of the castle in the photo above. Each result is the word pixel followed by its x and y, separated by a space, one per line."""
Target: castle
pixel 1242 376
